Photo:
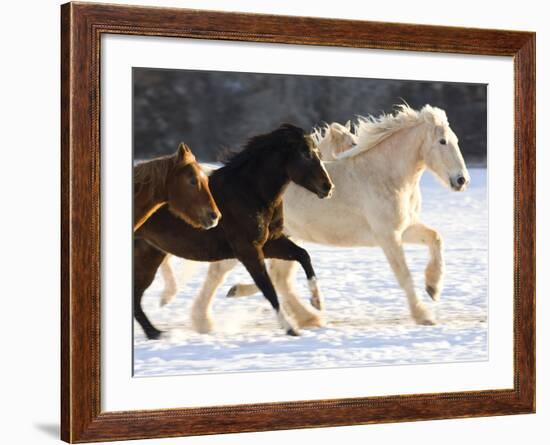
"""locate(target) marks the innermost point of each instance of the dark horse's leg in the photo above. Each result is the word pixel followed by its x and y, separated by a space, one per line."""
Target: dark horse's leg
pixel 253 260
pixel 147 260
pixel 284 249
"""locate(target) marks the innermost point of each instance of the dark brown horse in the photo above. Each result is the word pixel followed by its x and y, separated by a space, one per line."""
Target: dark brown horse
pixel 248 190
pixel 176 180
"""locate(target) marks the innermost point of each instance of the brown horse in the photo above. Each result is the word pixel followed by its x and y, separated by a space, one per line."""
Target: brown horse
pixel 176 180
pixel 249 190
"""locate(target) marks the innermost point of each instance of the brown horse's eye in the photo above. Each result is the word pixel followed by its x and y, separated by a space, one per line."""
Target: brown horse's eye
pixel 193 181
pixel 443 142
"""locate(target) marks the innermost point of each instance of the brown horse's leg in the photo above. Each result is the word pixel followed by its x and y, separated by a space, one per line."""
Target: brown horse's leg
pixel 147 260
pixel 284 249
pixel 253 260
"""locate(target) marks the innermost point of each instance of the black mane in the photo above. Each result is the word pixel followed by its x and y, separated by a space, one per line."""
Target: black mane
pixel 286 137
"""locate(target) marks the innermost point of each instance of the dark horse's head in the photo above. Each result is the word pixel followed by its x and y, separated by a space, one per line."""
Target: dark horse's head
pixel 304 166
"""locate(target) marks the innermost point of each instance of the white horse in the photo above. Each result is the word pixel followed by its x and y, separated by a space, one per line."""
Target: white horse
pixel 376 202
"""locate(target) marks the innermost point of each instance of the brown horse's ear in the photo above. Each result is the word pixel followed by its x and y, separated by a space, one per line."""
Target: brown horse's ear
pixel 185 155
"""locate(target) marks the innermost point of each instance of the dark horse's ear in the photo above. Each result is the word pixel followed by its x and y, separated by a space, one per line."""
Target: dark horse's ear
pixel 185 154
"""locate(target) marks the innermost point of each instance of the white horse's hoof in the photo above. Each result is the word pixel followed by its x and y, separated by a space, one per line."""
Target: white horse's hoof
pixel 232 292
pixel 316 299
pixel 310 319
pixel 433 292
pixel 204 325
pixel 423 316
pixel 317 302
pixel 427 322
pixel 166 298
pixel 304 316
pixel 314 321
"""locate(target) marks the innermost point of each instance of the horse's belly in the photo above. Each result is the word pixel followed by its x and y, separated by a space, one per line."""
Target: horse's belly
pixel 330 235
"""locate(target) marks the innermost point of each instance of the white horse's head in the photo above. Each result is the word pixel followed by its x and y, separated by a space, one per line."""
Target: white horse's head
pixel 333 139
pixel 441 152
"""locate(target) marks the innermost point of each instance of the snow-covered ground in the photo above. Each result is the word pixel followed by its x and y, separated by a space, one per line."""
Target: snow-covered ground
pixel 368 318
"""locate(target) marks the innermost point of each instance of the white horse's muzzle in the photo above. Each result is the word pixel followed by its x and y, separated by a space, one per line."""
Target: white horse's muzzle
pixel 460 182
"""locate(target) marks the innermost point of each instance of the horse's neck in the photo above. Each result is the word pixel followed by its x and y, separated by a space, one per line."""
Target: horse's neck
pixel 398 158
pixel 267 177
pixel 272 189
pixel 148 197
pixel 326 148
pixel 152 193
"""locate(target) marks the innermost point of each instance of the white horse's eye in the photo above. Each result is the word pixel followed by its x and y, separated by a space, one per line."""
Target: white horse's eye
pixel 442 141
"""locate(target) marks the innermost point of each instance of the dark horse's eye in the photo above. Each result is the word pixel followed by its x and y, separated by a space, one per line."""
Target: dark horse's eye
pixel 442 141
pixel 193 181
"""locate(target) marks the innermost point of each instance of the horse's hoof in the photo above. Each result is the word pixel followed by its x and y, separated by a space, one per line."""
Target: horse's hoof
pixel 165 299
pixel 432 292
pixel 423 316
pixel 313 321
pixel 232 292
pixel 292 333
pixel 203 325
pixel 316 303
pixel 154 335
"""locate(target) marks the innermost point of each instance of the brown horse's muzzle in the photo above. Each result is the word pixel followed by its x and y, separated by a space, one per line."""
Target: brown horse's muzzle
pixel 210 219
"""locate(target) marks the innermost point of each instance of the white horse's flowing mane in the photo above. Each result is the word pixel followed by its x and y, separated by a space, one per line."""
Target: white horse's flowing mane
pixel 319 133
pixel 371 130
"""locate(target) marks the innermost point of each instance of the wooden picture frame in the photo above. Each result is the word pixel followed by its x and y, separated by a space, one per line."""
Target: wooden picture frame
pixel 82 25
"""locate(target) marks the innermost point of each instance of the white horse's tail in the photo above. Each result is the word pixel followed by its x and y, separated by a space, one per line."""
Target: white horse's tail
pixel 171 284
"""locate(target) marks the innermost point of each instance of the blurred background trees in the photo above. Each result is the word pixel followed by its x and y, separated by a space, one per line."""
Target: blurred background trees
pixel 213 111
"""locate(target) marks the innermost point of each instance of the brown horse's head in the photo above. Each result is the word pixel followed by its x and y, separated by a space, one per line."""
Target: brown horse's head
pixel 188 193
pixel 305 167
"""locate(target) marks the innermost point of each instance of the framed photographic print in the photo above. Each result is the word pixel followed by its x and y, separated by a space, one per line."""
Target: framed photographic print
pixel 275 222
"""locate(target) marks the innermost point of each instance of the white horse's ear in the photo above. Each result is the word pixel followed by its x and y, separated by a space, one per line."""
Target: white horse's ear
pixel 348 125
pixel 427 115
pixel 434 116
pixel 338 130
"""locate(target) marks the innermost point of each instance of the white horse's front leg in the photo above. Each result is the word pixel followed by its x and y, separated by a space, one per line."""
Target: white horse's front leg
pixel 201 316
pixel 283 275
pixel 396 257
pixel 421 234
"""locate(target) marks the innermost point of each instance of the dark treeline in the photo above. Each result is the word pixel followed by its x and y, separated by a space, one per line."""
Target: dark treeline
pixel 215 111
